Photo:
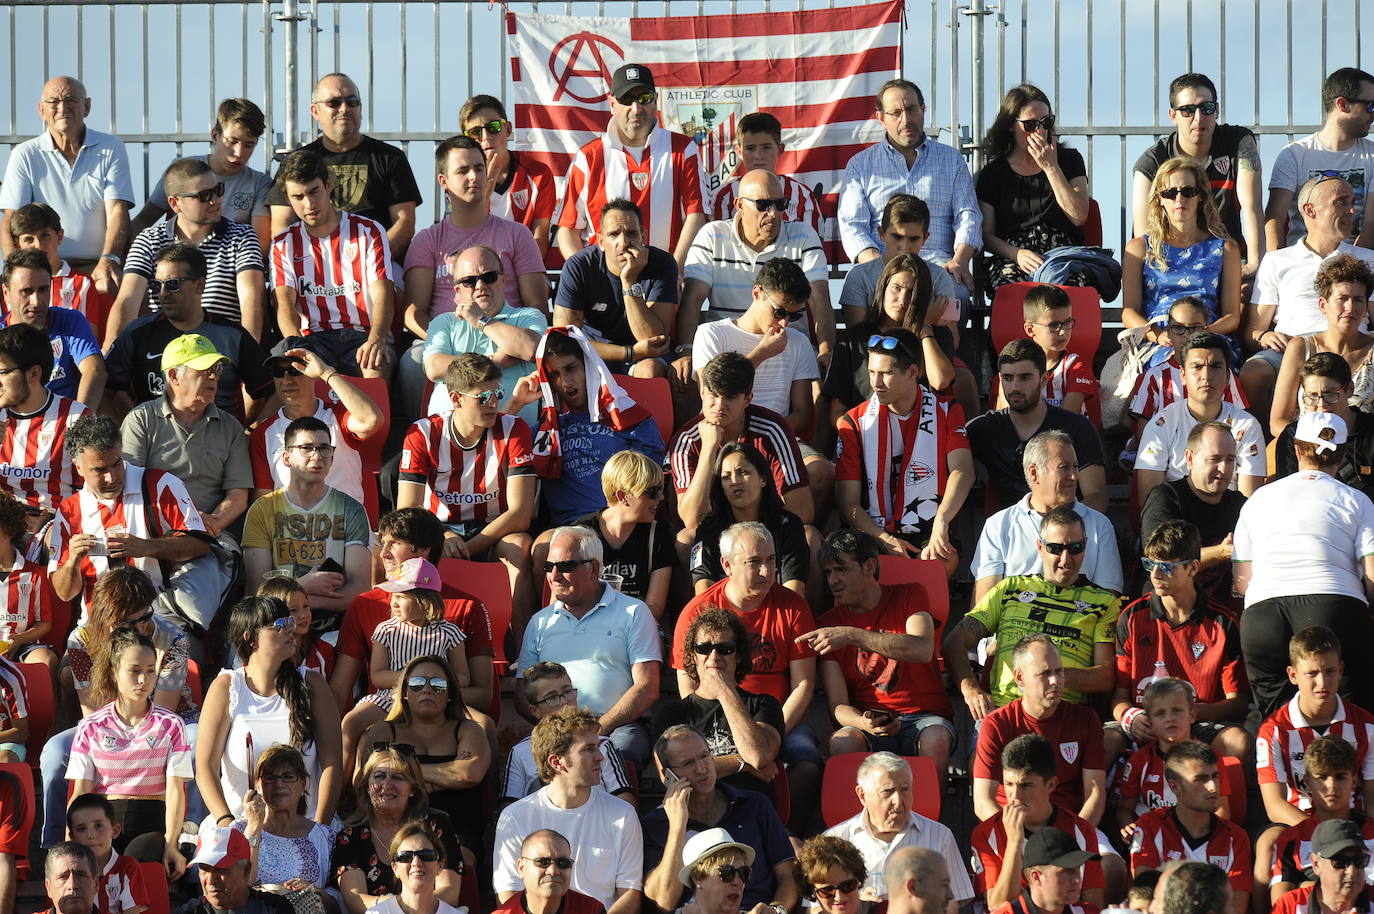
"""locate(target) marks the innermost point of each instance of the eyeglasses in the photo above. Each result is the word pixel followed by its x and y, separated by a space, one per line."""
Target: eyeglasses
pixel 694 762
pixel 437 683
pixel 139 620
pixel 1074 548
pixel 1166 569
pixel 281 624
pixel 653 493
pixel 428 855
pixel 280 777
pixel 280 370
pixel 643 98
pixel 1063 326
pixel 727 873
pixel 1367 102
pixel 156 286
pixel 704 648
pixel 204 196
pixel 1189 192
pixel 567 566
pixel 790 316
pixel 768 204
pixel 567 696
pixel 563 863
pixel 1032 124
pixel 1185 329
pixel 338 101
pixel 1328 397
pixel 494 126
pixel 485 397
pixel 490 278
pixel 1207 108
pixel 310 450
pixel 842 888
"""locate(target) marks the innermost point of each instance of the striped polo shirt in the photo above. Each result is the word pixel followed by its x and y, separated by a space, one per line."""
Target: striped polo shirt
pixel 229 249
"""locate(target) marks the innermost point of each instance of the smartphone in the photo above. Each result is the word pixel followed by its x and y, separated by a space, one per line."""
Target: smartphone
pixel 330 565
pixel 951 314
pixel 669 775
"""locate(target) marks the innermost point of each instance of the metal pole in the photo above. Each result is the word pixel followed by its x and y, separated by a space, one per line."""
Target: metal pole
pixel 288 18
pixel 976 62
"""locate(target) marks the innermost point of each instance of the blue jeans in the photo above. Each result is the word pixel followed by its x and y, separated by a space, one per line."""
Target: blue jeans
pixel 633 742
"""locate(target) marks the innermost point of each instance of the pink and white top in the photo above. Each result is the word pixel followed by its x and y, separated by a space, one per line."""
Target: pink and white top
pixel 130 762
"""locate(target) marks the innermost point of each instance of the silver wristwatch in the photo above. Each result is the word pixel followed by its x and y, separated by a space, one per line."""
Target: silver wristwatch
pixel 637 291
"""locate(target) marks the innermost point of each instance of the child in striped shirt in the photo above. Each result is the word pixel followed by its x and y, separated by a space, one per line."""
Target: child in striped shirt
pixel 133 752
pixel 91 821
pixel 416 628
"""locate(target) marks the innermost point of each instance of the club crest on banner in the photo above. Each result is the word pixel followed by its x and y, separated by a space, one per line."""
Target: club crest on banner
pixel 709 114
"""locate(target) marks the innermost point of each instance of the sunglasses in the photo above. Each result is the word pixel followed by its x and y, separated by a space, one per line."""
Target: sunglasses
pixel 1207 108
pixel 567 566
pixel 704 648
pixel 1063 326
pixel 768 204
pixel 437 683
pixel 1185 329
pixel 280 370
pixel 338 101
pixel 1074 548
pixel 842 888
pixel 1328 175
pixel 653 493
pixel 280 777
pixel 563 863
pixel 139 620
pixel 281 624
pixel 171 285
pixel 886 344
pixel 1328 397
pixel 490 278
pixel 727 873
pixel 1032 124
pixel 485 397
pixel 428 855
pixel 405 749
pixel 494 126
pixel 790 316
pixel 643 98
pixel 204 196
pixel 1344 861
pixel 1171 193
pixel 1164 568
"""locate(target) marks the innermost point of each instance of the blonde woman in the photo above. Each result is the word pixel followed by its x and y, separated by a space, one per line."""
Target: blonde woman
pixel 1184 252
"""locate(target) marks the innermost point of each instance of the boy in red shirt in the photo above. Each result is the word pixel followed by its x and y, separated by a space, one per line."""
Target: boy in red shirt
pixel 91 821
pixel 1069 382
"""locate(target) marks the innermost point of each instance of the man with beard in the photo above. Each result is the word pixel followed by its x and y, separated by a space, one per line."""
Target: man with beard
pixel 78 370
pixel 998 437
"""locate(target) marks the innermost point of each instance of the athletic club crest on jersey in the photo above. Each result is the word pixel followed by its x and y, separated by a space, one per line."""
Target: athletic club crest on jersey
pixel 1070 751
pixel 520 198
pixel 1197 648
pixel 640 180
pixel 350 250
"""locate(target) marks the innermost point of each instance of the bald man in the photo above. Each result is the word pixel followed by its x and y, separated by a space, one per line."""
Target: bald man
pixel 370 178
pixel 725 258
pixel 92 193
pixel 917 882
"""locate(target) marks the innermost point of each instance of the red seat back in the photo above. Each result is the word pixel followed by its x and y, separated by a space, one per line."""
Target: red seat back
pixel 155 882
pixel 1092 229
pixel 18 780
pixel 38 695
pixel 656 396
pixel 840 802
pixel 488 582
pixel 1234 774
pixel 1008 322
pixel 370 451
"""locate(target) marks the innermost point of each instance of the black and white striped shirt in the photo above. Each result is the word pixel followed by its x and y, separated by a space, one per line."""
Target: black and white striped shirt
pixel 229 249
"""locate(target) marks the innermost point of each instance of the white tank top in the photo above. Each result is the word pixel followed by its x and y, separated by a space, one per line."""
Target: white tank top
pixel 255 722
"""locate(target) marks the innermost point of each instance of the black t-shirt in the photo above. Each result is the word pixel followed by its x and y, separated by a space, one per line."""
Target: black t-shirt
pixel 586 285
pixel 789 542
pixel 846 381
pixel 368 179
pixel 1019 201
pixel 135 362
pixel 1358 469
pixel 1230 144
pixel 992 438
pixel 1177 501
pixel 648 548
pixel 707 718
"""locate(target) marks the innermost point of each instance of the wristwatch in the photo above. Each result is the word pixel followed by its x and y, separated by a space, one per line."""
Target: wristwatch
pixel 637 291
pixel 486 319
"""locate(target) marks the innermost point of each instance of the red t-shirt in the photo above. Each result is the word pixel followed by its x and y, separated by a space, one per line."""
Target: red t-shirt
pixel 374 606
pixel 1204 651
pixel 773 629
pixel 876 681
pixel 989 844
pixel 573 903
pixel 1159 838
pixel 949 432
pixel 1075 732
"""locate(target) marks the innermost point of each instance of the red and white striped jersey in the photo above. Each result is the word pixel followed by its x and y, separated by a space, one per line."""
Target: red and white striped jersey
pixel 267 442
pixel 528 194
pixel 24 594
pixel 76 291
pixel 989 844
pixel 1070 376
pixel 172 512
pixel 1142 779
pixel 1299 901
pixel 34 465
pixel 801 202
pixel 1285 735
pixel 14 702
pixel 664 181
pixel 332 276
pixel 1293 851
pixel 466 484
pixel 121 885
pixel 1163 384
pixel 1159 838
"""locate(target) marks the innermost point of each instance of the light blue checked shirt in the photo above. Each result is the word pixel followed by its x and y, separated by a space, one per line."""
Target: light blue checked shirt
pixel 940 177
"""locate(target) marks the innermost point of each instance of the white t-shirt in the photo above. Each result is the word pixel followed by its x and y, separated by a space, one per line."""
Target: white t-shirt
pixel 392 905
pixel 1305 534
pixel 1166 435
pixel 604 832
pixel 1306 158
pixel 772 379
pixel 920 832
pixel 1287 278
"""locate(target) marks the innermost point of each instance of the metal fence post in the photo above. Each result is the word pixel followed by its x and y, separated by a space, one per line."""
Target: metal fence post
pixel 289 17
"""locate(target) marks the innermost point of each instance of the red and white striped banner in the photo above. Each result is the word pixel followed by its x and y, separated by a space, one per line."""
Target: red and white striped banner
pixel 815 70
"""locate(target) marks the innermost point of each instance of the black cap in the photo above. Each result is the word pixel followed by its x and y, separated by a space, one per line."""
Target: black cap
pixel 631 76
pixel 279 351
pixel 1335 835
pixel 1052 847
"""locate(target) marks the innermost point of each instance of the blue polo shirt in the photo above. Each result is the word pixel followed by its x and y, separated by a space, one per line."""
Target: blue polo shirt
pixel 1007 545
pixel 587 445
pixel 751 820
pixel 72 340
pixel 598 650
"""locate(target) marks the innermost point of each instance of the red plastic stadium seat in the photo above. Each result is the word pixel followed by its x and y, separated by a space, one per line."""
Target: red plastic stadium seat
pixel 488 582
pixel 927 574
pixel 1235 779
pixel 1007 319
pixel 370 451
pixel 38 694
pixel 155 881
pixel 1092 229
pixel 18 776
pixel 840 802
pixel 656 396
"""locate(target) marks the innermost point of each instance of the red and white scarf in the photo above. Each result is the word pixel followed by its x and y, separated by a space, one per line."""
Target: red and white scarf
pixel 903 489
pixel 607 403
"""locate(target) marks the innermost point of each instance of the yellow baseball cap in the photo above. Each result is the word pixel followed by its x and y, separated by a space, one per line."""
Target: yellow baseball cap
pixel 191 349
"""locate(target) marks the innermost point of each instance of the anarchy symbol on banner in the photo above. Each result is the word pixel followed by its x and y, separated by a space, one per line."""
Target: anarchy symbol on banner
pixel 582 41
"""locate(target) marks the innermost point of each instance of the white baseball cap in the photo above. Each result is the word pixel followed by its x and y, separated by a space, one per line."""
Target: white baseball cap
pixel 1311 425
pixel 705 843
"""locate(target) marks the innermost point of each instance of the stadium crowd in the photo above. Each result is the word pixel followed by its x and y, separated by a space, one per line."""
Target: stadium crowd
pixel 289 485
